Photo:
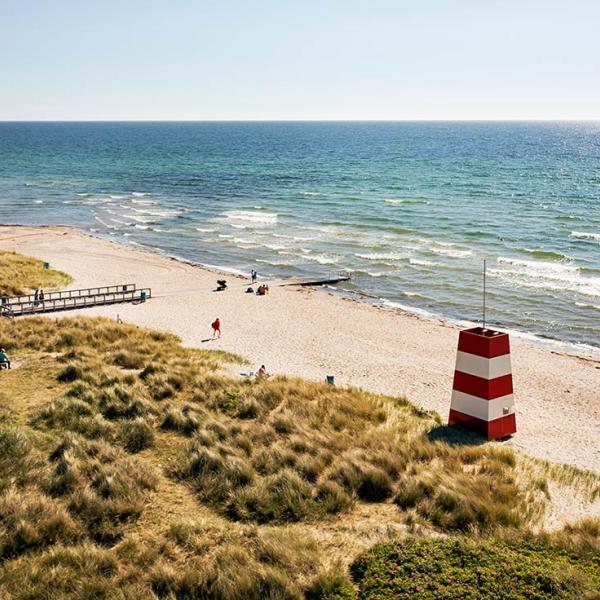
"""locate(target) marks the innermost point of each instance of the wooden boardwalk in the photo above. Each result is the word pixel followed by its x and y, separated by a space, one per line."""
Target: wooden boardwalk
pixel 16 306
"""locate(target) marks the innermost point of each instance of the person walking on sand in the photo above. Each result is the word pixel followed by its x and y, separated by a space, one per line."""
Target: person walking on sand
pixel 216 325
pixel 42 298
pixel 254 275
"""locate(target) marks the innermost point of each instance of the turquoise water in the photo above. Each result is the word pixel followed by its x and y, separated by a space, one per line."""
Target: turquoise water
pixel 408 209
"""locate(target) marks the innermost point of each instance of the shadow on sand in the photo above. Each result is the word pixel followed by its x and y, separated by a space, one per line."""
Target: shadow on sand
pixel 455 436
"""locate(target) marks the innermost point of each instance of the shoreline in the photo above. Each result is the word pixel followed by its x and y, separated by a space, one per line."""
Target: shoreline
pixel 302 332
pixel 584 352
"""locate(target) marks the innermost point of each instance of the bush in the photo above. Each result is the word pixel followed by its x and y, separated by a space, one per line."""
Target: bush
pixel 331 585
pixel 16 457
pixel 136 435
pixel 32 522
pixel 471 569
pixel 70 372
pixel 370 483
pixel 275 499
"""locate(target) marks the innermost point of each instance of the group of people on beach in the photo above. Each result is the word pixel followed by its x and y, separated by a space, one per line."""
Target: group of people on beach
pixel 262 290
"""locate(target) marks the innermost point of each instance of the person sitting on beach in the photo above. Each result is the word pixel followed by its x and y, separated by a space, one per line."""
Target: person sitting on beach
pixel 216 325
pixel 261 290
pixel 262 372
pixel 4 360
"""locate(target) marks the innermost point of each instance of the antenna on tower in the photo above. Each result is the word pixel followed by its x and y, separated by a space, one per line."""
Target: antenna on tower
pixel 483 296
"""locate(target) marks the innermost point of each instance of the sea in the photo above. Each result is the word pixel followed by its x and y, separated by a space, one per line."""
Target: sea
pixel 409 210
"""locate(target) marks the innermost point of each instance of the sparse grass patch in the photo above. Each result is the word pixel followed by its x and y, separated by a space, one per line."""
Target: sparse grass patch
pixel 22 274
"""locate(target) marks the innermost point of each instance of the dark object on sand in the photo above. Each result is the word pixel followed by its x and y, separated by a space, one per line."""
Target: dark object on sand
pixel 221 285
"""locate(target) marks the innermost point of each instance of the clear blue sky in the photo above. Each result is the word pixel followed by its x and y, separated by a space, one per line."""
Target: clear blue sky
pixel 303 59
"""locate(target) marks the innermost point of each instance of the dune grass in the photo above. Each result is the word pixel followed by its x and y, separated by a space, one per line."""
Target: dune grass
pixel 132 467
pixel 23 274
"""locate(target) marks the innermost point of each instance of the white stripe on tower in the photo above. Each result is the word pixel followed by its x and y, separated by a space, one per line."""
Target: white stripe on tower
pixel 487 368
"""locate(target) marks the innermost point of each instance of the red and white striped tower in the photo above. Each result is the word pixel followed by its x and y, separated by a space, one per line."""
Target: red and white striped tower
pixel 482 394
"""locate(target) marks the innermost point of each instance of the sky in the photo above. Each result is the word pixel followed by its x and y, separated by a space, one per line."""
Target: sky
pixel 303 59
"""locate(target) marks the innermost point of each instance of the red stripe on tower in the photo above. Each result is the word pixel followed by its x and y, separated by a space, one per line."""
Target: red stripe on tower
pixel 482 393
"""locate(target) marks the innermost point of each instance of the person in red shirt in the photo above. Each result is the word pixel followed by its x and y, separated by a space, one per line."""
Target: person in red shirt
pixel 216 328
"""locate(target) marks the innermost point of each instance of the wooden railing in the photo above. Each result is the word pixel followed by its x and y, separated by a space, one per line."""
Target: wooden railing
pixel 72 299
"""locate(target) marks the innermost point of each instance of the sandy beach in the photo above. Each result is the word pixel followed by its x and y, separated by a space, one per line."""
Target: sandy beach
pixel 310 333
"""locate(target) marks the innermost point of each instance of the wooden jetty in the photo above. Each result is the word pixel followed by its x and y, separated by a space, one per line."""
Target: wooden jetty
pixel 311 281
pixel 72 299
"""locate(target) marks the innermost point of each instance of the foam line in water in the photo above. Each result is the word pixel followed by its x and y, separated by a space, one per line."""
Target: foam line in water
pixel 586 235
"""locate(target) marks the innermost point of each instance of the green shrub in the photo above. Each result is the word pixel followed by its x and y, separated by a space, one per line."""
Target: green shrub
pixel 461 568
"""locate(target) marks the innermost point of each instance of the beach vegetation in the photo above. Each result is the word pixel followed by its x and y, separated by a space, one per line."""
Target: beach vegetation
pixel 514 568
pixel 131 466
pixel 20 275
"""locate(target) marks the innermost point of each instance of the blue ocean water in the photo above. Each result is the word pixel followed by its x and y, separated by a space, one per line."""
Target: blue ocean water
pixel 408 209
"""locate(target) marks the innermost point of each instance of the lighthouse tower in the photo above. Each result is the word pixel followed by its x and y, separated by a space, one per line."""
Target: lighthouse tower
pixel 482 394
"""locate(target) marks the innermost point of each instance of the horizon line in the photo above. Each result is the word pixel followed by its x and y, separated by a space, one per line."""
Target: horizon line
pixel 324 120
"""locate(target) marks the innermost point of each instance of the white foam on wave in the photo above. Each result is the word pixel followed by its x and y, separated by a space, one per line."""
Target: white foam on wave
pixel 322 259
pixel 138 218
pixel 223 269
pixel 409 309
pixel 296 238
pixel 586 305
pixel 103 222
pixel 405 201
pixel 546 275
pixel 38 202
pixel 116 197
pixel 275 263
pixel 273 246
pixel 205 230
pixel 140 194
pixel 145 202
pixel 586 235
pixel 421 262
pixel 163 214
pixel 444 250
pixel 382 256
pixel 259 218
pixel 539 266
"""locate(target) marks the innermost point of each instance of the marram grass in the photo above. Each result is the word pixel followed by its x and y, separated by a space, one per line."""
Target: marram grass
pixel 131 466
pixel 23 274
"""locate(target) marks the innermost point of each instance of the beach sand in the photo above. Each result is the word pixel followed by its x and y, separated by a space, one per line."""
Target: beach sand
pixel 311 334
